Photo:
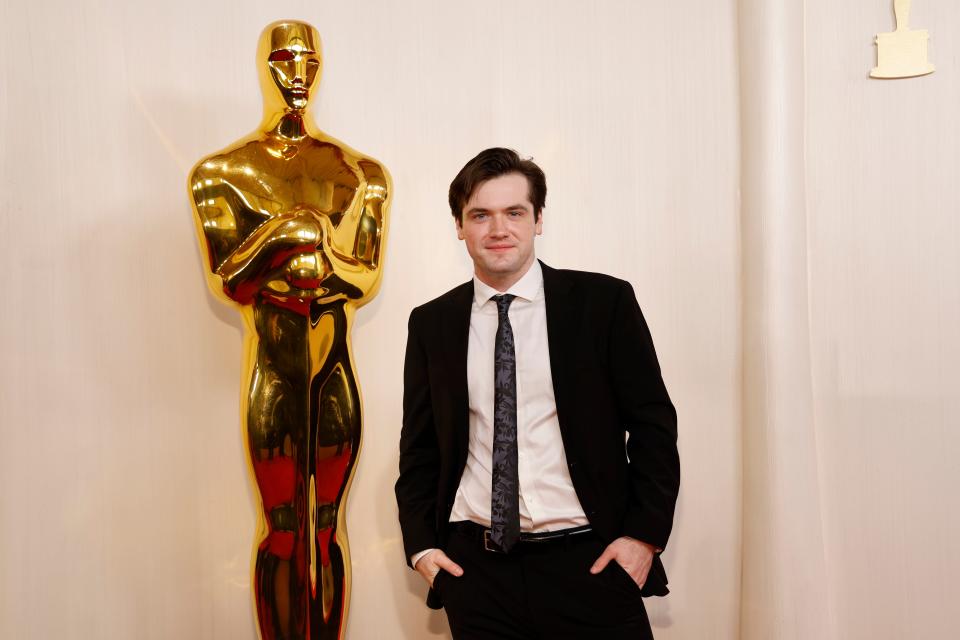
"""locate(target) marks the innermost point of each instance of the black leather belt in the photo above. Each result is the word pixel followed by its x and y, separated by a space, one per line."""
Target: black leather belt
pixel 527 540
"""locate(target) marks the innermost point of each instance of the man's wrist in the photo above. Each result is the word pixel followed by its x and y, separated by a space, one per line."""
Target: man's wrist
pixel 654 548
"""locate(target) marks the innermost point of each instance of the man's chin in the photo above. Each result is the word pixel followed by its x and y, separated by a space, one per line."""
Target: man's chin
pixel 506 267
pixel 501 267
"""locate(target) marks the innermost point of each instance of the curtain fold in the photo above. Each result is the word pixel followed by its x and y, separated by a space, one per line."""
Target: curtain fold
pixel 783 590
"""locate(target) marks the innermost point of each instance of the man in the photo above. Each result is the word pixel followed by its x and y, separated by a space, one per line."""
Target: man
pixel 538 461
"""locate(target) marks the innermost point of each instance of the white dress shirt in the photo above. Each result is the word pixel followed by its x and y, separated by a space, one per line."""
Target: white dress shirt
pixel 548 501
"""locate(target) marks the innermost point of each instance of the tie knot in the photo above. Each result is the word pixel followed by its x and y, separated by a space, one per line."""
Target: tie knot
pixel 503 302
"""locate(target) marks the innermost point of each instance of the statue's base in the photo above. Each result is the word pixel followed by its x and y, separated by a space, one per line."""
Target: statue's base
pixel 902 54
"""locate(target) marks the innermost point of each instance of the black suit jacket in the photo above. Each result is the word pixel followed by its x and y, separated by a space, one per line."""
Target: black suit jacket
pixel 618 425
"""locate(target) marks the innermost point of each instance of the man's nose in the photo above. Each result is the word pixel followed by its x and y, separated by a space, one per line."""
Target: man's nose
pixel 498 226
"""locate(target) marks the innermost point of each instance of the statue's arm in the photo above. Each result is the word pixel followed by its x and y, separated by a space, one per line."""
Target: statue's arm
pixel 214 215
pixel 355 246
pixel 372 223
pixel 267 249
pixel 242 263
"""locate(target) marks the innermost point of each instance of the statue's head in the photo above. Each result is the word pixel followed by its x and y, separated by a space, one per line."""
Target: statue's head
pixel 289 59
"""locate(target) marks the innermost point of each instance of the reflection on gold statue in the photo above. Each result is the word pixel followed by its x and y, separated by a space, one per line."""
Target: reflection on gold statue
pixel 292 223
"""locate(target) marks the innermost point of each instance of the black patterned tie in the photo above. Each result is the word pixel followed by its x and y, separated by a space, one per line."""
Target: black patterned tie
pixel 505 494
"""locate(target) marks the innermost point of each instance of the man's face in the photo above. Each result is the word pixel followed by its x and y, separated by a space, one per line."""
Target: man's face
pixel 498 228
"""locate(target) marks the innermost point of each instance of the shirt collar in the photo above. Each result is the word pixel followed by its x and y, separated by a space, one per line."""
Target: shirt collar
pixel 527 287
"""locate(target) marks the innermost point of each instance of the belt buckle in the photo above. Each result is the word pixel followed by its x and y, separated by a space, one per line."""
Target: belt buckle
pixel 488 545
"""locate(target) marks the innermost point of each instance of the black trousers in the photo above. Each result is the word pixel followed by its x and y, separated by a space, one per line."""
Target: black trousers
pixel 540 591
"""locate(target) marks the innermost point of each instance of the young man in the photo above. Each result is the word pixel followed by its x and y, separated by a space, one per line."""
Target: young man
pixel 538 461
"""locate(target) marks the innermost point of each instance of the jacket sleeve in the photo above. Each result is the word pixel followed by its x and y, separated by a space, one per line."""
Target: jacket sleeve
pixel 416 488
pixel 650 421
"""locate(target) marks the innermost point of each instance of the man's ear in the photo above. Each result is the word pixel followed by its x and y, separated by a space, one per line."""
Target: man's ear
pixel 459 225
pixel 539 224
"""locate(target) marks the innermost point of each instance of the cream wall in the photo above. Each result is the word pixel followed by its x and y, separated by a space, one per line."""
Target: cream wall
pixel 126 511
pixel 882 163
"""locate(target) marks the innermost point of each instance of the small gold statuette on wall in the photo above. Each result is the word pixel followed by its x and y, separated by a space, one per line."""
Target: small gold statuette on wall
pixel 292 224
pixel 903 53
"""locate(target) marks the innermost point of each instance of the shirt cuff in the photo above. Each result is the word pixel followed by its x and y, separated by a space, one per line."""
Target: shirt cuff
pixel 415 558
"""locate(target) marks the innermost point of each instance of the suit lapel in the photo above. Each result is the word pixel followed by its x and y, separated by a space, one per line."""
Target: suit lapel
pixel 456 334
pixel 562 319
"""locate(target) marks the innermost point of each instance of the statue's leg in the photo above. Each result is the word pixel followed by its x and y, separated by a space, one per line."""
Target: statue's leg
pixel 337 440
pixel 278 449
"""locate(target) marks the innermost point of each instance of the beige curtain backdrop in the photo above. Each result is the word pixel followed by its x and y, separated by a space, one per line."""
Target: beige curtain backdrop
pixel 789 225
pixel 783 561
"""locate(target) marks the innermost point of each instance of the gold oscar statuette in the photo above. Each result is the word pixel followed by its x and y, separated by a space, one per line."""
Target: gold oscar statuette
pixel 902 53
pixel 292 225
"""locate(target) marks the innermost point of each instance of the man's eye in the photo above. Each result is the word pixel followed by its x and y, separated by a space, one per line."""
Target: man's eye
pixel 479 216
pixel 516 214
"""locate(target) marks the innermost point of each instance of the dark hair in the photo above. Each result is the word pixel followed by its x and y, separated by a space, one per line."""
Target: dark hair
pixel 493 163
